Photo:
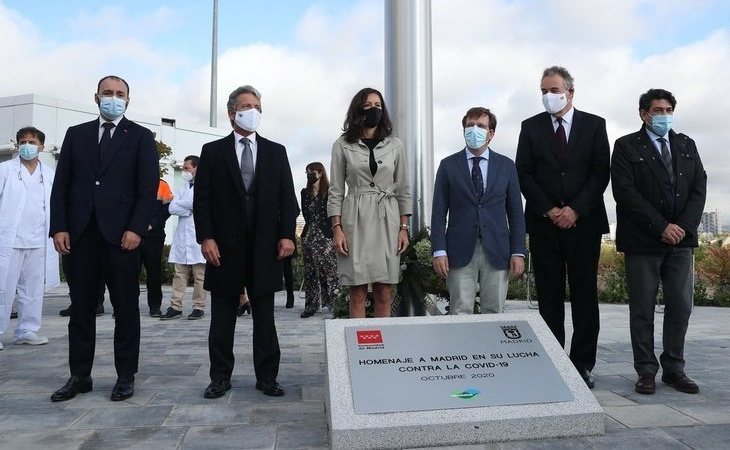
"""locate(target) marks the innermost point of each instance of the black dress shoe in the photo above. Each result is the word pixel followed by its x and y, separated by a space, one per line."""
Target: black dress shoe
pixel 74 385
pixel 271 388
pixel 155 312
pixel 289 301
pixel 243 309
pixel 13 315
pixel 217 388
pixel 306 314
pixel 587 377
pixel 645 384
pixel 680 382
pixel 65 312
pixel 123 389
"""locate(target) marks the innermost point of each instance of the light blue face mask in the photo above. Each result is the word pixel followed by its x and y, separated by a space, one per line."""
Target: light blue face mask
pixel 112 108
pixel 475 136
pixel 661 124
pixel 28 151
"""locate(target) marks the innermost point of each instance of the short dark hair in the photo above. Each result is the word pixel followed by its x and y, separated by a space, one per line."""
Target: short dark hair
pixel 477 112
pixel 354 121
pixel 194 160
pixel 655 94
pixel 113 77
pixel 33 131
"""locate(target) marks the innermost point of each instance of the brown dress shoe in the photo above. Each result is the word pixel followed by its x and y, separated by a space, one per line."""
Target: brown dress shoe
pixel 645 384
pixel 680 382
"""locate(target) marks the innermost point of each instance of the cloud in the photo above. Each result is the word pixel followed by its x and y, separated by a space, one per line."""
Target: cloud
pixel 488 52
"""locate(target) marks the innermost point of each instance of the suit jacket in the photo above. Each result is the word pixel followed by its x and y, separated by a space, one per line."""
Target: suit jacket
pixel 119 190
pixel 244 224
pixel 498 214
pixel 578 181
pixel 644 208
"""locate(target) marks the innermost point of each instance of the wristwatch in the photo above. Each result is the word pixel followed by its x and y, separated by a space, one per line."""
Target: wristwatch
pixel 404 226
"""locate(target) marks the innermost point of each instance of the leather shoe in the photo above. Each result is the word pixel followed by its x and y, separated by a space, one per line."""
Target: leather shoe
pixel 123 389
pixel 65 312
pixel 289 301
pixel 271 388
pixel 217 388
pixel 587 377
pixel 306 314
pixel 74 385
pixel 243 309
pixel 680 382
pixel 645 384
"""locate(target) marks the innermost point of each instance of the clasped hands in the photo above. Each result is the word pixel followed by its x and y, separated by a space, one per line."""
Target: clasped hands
pixel 564 217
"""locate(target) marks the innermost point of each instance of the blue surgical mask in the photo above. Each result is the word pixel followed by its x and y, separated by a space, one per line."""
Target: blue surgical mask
pixel 112 108
pixel 661 124
pixel 28 151
pixel 475 136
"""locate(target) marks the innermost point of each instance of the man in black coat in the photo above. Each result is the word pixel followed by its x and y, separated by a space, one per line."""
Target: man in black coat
pixel 101 204
pixel 245 213
pixel 563 166
pixel 659 185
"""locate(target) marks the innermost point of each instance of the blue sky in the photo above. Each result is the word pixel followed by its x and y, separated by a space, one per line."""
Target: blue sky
pixel 309 57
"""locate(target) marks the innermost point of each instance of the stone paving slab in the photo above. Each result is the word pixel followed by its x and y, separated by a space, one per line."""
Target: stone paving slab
pixel 168 410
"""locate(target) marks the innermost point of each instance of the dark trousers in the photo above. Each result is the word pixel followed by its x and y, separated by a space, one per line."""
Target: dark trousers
pixel 643 273
pixel 67 271
pixel 266 353
pixel 551 256
pixel 151 259
pixel 93 259
pixel 288 276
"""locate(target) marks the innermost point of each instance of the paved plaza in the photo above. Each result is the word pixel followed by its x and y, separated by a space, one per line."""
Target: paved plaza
pixel 168 410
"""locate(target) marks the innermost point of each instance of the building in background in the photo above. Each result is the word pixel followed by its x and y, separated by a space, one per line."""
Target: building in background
pixel 710 223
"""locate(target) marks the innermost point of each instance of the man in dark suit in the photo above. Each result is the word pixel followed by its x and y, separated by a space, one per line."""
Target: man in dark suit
pixel 245 213
pixel 659 185
pixel 563 164
pixel 477 189
pixel 101 205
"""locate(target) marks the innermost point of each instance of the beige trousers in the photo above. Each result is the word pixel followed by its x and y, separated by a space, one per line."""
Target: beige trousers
pixel 463 282
pixel 180 283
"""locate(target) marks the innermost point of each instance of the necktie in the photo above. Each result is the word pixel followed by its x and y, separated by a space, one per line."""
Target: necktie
pixel 106 138
pixel 246 163
pixel 476 176
pixel 667 158
pixel 561 140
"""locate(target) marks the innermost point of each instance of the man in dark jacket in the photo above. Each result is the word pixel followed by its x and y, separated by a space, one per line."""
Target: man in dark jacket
pixel 151 248
pixel 659 186
pixel 245 213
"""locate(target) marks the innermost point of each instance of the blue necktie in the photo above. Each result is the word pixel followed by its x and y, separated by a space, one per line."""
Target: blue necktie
pixel 476 176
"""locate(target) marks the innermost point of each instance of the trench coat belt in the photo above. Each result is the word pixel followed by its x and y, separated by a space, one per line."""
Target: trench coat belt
pixel 382 192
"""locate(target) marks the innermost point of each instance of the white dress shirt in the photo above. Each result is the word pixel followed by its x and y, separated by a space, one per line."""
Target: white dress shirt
pixel 239 147
pixel 101 126
pixel 567 122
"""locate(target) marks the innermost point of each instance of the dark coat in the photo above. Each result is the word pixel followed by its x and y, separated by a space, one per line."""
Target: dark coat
pixel 320 211
pixel 120 189
pixel 644 208
pixel 498 214
pixel 578 182
pixel 244 224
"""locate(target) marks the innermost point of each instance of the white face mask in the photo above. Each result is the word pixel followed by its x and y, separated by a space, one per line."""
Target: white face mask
pixel 187 177
pixel 248 119
pixel 554 102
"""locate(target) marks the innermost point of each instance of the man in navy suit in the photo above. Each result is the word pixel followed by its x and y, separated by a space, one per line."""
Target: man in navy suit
pixel 563 164
pixel 485 241
pixel 101 205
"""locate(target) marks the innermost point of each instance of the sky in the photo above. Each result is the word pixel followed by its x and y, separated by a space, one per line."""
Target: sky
pixel 308 58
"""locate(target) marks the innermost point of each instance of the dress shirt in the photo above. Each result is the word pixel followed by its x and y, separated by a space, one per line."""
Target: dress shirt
pixel 654 138
pixel 239 147
pixel 101 126
pixel 567 123
pixel 483 164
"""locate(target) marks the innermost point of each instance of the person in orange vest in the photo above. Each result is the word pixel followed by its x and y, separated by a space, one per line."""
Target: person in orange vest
pixel 151 248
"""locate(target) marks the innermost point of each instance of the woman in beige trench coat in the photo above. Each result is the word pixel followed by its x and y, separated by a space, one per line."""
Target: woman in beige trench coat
pixel 370 217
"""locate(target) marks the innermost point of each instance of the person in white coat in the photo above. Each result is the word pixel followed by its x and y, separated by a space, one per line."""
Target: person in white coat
pixel 28 260
pixel 185 251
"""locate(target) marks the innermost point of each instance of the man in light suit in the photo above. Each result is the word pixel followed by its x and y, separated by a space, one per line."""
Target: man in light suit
pixel 563 164
pixel 101 205
pixel 485 240
pixel 245 213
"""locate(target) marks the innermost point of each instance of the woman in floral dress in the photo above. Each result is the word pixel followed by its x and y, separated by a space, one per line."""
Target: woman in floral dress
pixel 320 261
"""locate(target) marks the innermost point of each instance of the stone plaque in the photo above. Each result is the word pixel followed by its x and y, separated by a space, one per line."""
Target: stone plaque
pixel 396 368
